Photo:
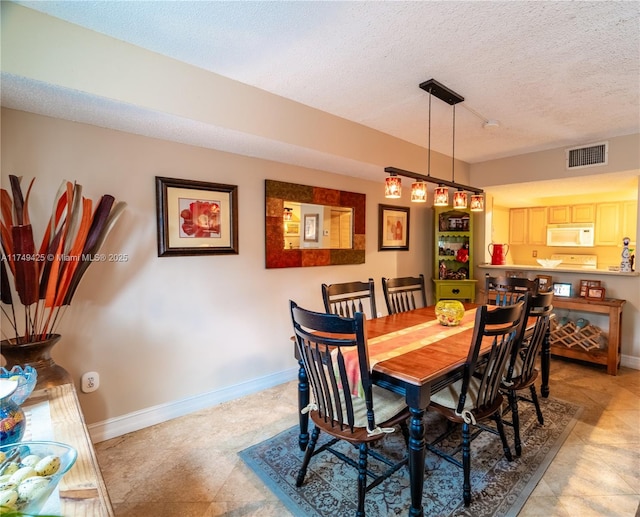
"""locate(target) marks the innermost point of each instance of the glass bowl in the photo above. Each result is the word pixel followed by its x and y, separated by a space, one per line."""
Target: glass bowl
pixel 449 312
pixel 32 493
pixel 26 378
pixel 548 263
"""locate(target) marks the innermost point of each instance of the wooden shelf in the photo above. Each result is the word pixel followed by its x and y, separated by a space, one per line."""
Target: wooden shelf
pixel 609 356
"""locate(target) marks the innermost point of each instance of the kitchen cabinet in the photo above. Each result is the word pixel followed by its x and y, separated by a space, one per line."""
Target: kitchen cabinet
pixel 572 214
pixel 629 226
pixel 559 214
pixel 453 250
pixel 518 220
pixel 607 230
pixel 528 226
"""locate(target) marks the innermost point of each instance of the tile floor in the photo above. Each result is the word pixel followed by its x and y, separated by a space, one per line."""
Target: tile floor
pixel 189 467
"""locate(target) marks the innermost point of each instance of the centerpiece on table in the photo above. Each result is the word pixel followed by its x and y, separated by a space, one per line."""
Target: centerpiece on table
pixel 45 278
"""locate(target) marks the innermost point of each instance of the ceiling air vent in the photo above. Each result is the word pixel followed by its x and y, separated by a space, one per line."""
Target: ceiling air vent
pixel 588 155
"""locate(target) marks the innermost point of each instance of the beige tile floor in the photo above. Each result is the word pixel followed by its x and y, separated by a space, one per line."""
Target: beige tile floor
pixel 189 467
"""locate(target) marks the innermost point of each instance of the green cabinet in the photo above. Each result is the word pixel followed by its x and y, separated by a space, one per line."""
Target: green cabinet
pixel 453 250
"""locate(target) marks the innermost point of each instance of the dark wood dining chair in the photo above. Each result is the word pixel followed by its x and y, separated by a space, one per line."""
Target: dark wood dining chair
pixel 348 298
pixel 521 372
pixel 404 294
pixel 476 397
pixel 324 341
pixel 505 290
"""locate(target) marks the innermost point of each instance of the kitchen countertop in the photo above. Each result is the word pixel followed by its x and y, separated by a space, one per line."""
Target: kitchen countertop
pixel 558 269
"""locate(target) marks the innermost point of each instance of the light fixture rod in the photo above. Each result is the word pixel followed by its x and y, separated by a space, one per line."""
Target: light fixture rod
pixel 431 179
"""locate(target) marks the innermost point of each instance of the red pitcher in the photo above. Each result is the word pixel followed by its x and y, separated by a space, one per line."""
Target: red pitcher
pixel 498 254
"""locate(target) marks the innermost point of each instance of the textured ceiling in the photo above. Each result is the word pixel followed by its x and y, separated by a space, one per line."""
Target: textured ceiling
pixel 553 74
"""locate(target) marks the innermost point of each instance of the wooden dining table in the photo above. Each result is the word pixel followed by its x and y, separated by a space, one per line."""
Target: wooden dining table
pixel 416 374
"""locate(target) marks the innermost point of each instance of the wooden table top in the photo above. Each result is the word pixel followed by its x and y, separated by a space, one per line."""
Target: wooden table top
pixel 82 489
pixel 425 364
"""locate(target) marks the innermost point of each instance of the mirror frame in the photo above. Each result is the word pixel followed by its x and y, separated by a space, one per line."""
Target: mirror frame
pixel 276 256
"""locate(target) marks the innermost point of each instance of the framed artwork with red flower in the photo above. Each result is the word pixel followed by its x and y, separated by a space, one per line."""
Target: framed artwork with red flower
pixel 196 217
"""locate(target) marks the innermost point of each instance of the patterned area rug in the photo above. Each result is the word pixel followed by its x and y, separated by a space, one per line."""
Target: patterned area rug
pixel 498 487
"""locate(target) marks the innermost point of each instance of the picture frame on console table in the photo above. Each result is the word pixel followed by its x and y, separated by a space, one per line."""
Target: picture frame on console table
pixel 562 290
pixel 544 283
pixel 595 293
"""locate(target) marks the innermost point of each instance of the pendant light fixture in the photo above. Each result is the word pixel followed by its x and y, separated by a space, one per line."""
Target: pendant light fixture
pixel 441 192
pixel 477 203
pixel 393 187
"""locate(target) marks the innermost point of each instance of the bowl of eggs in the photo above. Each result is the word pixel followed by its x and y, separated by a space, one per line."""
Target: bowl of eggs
pixel 30 472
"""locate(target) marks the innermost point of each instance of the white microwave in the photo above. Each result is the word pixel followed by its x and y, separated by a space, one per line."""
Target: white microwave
pixel 571 235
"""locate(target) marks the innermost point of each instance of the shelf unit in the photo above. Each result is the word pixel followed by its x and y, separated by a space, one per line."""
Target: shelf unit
pixel 452 277
pixel 609 356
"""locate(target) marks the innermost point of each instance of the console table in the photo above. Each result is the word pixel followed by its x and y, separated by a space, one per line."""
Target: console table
pixel 611 355
pixel 82 490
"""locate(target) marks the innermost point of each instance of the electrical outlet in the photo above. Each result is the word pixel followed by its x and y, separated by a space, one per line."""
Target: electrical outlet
pixel 90 382
pixel 534 253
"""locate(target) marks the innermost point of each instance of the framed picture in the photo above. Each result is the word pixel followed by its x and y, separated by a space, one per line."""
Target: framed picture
pixel 311 227
pixel 583 288
pixel 595 293
pixel 562 289
pixel 544 283
pixel 393 228
pixel 196 217
pixel 292 228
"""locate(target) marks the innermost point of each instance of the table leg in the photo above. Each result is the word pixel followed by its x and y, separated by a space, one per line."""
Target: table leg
pixel 416 460
pixel 545 361
pixel 303 402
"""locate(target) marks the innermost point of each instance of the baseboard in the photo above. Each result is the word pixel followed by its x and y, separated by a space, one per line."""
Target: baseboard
pixel 630 361
pixel 137 420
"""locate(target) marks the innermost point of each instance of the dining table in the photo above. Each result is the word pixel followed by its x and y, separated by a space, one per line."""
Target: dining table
pixel 411 354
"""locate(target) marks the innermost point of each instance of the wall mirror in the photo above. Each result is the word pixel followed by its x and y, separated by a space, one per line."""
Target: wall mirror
pixel 313 226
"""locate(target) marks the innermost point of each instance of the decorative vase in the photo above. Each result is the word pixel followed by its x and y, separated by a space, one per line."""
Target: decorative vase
pixel 449 312
pixel 12 419
pixel 38 355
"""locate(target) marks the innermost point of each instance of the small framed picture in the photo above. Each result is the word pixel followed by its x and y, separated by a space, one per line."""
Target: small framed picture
pixel 584 284
pixel 544 283
pixel 393 228
pixel 562 290
pixel 311 227
pixel 595 293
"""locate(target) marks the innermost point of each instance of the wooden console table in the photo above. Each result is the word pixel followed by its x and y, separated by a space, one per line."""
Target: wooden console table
pixel 611 355
pixel 83 492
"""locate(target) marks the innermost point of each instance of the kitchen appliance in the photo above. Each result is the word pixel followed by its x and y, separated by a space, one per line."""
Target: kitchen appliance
pixel 498 254
pixel 570 235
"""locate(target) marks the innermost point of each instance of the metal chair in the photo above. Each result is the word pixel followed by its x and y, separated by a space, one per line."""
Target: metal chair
pixel 404 294
pixel 348 298
pixel 325 343
pixel 522 373
pixel 476 397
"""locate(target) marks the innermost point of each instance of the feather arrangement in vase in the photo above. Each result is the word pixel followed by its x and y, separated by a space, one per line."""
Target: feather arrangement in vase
pixel 45 279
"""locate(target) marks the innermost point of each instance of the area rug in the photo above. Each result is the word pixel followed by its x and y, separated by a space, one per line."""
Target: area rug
pixel 498 487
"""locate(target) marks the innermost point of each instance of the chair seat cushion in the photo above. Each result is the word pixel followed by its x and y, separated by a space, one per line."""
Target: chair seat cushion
pixel 386 405
pixel 450 395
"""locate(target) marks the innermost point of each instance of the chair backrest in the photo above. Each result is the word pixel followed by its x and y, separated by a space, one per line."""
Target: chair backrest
pixel 404 294
pixel 323 341
pixel 499 327
pixel 505 290
pixel 539 306
pixel 348 298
